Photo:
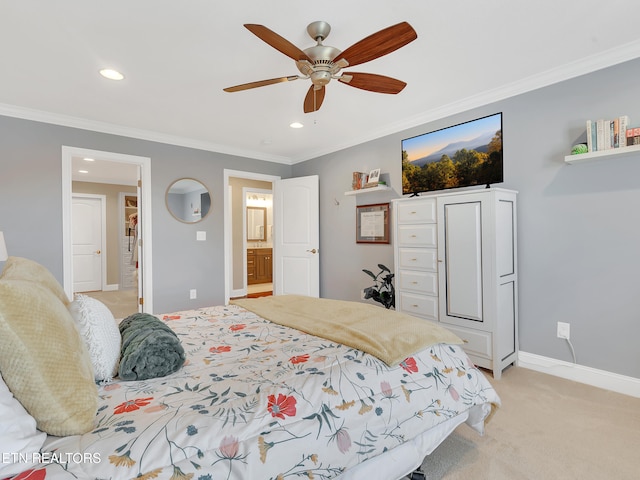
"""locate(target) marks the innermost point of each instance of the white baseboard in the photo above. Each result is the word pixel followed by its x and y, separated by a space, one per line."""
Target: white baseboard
pixel 579 373
pixel 240 292
pixel 111 288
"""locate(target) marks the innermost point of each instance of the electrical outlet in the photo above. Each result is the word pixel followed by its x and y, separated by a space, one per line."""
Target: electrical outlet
pixel 193 294
pixel 564 330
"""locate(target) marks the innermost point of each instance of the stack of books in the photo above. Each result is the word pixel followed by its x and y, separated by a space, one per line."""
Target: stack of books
pixel 607 134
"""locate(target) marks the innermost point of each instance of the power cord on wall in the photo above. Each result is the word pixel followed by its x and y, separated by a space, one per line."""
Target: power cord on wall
pixel 573 352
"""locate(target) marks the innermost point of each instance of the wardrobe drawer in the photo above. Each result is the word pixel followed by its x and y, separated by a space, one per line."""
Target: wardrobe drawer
pixel 419 305
pixel 418 281
pixel 422 258
pixel 421 211
pixel 418 235
pixel 475 343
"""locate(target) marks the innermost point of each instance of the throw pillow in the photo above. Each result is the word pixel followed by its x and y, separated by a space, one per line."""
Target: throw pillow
pixel 99 330
pixel 18 268
pixel 18 435
pixel 44 361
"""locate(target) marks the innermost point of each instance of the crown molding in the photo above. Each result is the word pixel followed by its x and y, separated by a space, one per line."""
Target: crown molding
pixel 574 69
pixel 113 129
pixel 608 58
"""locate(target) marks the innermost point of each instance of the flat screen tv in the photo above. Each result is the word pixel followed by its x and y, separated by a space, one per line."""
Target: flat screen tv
pixel 463 155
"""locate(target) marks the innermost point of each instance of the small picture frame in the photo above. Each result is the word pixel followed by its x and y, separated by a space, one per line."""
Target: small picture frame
pixel 374 177
pixel 372 223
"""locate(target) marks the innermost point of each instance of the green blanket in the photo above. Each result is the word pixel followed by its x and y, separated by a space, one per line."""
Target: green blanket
pixel 389 335
pixel 149 349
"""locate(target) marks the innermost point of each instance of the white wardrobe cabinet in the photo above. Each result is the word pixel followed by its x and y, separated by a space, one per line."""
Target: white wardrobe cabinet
pixel 455 258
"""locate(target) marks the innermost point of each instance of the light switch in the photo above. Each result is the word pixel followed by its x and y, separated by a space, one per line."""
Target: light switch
pixel 201 236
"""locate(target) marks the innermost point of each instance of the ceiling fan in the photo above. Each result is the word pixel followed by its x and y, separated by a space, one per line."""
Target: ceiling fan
pixel 322 63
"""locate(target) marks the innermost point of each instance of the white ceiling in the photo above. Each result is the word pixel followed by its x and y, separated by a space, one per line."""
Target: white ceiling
pixel 99 170
pixel 177 57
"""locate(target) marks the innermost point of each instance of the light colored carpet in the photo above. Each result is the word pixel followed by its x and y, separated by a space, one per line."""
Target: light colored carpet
pixel 547 428
pixel 121 303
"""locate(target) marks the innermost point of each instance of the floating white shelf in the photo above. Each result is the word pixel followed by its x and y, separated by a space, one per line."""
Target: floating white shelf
pixel 379 188
pixel 600 154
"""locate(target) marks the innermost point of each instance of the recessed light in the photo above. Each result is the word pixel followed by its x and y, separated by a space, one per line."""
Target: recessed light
pixel 89 159
pixel 83 171
pixel 296 125
pixel 111 74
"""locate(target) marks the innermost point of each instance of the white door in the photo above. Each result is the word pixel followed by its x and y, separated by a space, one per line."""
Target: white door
pixel 139 248
pixel 87 242
pixel 297 237
pixel 461 278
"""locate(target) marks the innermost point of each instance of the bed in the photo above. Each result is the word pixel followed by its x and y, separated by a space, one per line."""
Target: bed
pixel 255 399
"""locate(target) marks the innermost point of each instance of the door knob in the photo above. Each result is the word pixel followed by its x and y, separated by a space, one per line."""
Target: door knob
pixel 98 252
pixel 313 250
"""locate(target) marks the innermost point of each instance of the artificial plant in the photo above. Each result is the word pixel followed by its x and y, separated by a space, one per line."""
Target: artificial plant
pixel 382 290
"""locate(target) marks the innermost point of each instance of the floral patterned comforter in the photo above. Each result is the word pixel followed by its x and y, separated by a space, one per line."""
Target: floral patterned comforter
pixel 256 400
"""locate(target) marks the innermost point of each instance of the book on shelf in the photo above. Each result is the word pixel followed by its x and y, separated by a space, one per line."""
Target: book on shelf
pixel 605 134
pixel 633 136
pixel 359 180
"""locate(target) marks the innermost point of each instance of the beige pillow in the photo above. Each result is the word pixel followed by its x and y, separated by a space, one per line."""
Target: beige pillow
pixel 44 361
pixel 18 268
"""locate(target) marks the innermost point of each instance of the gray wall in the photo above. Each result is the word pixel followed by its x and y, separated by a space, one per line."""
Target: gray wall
pixel 578 225
pixel 578 229
pixel 31 205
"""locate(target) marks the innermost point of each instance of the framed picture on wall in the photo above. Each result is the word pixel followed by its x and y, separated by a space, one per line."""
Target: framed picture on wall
pixel 373 178
pixel 372 223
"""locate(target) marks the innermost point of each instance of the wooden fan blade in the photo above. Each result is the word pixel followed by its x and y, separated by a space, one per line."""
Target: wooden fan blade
pixel 276 41
pixel 314 98
pixel 380 43
pixel 261 83
pixel 372 82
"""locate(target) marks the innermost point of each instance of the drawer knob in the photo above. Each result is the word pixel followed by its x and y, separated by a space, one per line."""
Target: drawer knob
pixel 465 341
pixel 414 305
pixel 414 283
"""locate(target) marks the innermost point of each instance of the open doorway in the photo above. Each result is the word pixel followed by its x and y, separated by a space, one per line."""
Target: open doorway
pixel 258 240
pixel 124 285
pixel 239 251
pixel 296 267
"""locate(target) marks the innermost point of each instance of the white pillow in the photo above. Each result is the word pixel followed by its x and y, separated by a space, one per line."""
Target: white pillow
pixel 18 435
pixel 100 333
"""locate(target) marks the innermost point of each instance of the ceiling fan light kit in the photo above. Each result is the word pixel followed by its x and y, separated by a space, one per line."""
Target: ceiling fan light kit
pixel 322 63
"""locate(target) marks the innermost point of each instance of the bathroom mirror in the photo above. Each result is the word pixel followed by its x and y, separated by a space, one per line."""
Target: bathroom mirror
pixel 188 200
pixel 256 224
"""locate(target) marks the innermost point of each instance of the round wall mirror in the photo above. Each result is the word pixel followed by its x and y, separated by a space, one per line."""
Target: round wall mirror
pixel 188 200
